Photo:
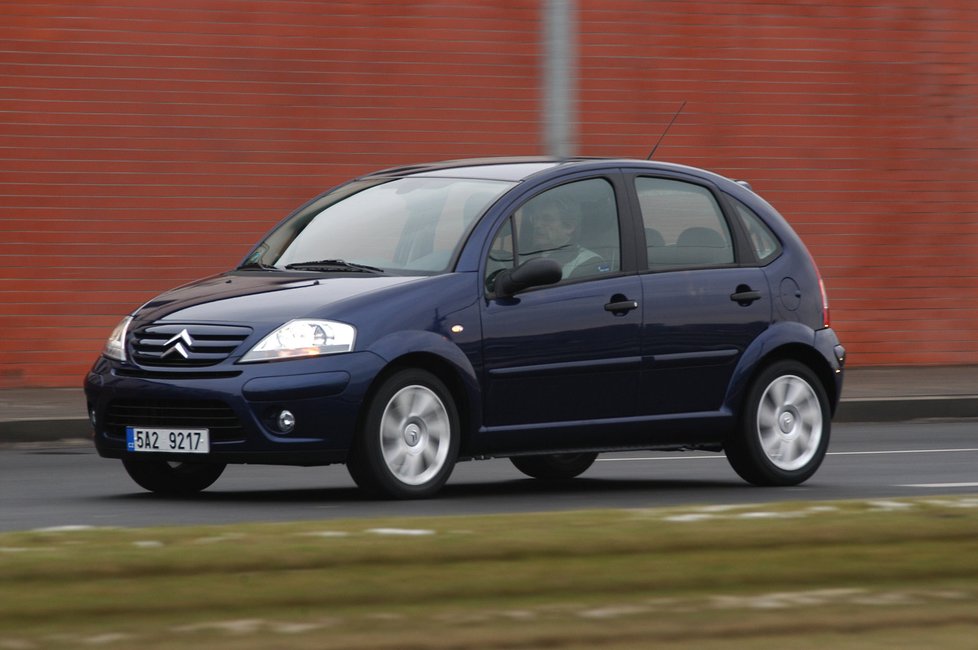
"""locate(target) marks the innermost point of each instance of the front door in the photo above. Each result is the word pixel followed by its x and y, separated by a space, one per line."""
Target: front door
pixel 561 358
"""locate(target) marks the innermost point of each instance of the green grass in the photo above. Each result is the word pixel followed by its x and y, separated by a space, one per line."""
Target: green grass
pixel 851 574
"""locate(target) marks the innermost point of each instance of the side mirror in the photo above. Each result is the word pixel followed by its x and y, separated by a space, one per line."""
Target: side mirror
pixel 532 273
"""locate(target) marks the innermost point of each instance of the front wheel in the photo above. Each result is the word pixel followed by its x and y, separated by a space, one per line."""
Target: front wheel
pixel 784 428
pixel 553 467
pixel 408 444
pixel 171 478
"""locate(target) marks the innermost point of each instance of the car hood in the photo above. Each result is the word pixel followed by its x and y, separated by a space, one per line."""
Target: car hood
pixel 256 297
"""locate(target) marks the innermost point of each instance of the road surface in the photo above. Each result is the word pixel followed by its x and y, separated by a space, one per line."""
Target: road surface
pixel 52 485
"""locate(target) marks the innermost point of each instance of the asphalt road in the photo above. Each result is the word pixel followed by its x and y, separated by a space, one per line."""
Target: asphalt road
pixel 44 486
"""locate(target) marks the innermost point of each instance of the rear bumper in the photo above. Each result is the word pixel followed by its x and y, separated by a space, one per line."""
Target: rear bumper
pixel 827 343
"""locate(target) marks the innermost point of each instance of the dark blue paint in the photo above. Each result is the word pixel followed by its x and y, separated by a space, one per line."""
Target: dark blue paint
pixel 549 369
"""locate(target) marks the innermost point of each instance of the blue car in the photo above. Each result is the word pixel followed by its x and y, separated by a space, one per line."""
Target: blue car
pixel 544 310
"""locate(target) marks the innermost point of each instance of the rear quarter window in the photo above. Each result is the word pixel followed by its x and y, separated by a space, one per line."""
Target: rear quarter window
pixel 764 243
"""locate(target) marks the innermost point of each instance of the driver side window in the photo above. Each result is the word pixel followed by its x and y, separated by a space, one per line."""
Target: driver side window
pixel 574 224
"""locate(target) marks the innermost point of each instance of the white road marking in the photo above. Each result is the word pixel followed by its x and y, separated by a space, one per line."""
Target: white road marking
pixel 411 532
pixel 900 451
pixel 940 485
pixel 831 453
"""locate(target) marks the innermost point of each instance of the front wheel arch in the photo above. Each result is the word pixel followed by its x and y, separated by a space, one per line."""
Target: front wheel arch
pixel 455 380
pixel 400 452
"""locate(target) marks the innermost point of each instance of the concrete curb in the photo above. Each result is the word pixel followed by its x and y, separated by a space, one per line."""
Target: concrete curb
pixel 45 430
pixel 900 409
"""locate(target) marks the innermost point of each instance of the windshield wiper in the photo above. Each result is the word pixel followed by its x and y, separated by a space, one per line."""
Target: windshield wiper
pixel 261 266
pixel 334 265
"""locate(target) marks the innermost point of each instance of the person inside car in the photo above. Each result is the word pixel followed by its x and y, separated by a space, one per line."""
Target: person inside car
pixel 554 229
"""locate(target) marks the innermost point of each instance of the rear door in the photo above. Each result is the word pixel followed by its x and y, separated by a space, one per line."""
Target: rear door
pixel 703 302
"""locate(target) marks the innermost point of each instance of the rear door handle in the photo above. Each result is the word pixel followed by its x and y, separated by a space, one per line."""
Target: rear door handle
pixel 744 295
pixel 620 305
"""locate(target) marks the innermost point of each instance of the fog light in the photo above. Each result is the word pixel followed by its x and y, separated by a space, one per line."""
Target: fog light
pixel 286 421
pixel 91 416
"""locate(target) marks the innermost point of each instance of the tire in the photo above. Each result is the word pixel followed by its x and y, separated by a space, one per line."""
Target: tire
pixel 553 467
pixel 409 440
pixel 784 428
pixel 165 477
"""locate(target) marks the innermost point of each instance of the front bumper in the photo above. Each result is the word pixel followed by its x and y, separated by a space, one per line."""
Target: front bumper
pixel 239 405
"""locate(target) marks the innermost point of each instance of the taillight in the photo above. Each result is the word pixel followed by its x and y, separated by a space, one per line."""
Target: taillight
pixel 826 318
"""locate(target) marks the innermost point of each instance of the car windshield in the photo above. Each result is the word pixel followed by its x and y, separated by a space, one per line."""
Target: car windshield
pixel 403 225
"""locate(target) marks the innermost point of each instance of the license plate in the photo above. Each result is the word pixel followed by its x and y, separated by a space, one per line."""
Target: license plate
pixel 176 441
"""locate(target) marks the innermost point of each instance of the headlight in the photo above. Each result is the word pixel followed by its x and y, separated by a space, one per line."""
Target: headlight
pixel 303 338
pixel 115 347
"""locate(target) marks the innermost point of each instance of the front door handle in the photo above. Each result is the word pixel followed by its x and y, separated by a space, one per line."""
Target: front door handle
pixel 744 295
pixel 620 305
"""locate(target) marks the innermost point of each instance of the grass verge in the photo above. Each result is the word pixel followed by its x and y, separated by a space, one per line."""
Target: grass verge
pixel 850 574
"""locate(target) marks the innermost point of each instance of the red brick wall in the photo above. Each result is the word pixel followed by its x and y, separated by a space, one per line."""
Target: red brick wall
pixel 143 146
pixel 857 119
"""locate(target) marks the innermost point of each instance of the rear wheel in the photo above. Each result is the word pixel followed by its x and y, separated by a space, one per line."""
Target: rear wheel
pixel 554 466
pixel 408 444
pixel 166 477
pixel 784 429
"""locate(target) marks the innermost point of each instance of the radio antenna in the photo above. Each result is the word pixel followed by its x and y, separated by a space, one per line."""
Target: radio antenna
pixel 666 130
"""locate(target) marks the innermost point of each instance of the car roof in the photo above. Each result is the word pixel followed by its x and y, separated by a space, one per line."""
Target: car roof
pixel 515 169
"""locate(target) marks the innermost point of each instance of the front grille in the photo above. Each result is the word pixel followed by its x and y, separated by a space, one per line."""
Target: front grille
pixel 176 345
pixel 142 373
pixel 214 415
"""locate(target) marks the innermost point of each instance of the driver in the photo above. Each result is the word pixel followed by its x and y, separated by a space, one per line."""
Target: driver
pixel 554 229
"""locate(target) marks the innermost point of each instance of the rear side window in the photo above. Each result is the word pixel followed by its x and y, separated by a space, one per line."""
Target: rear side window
pixel 766 246
pixel 684 226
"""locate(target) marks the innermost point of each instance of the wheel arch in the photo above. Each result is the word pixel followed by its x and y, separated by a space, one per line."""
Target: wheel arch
pixel 804 354
pixel 784 341
pixel 456 380
pixel 756 452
